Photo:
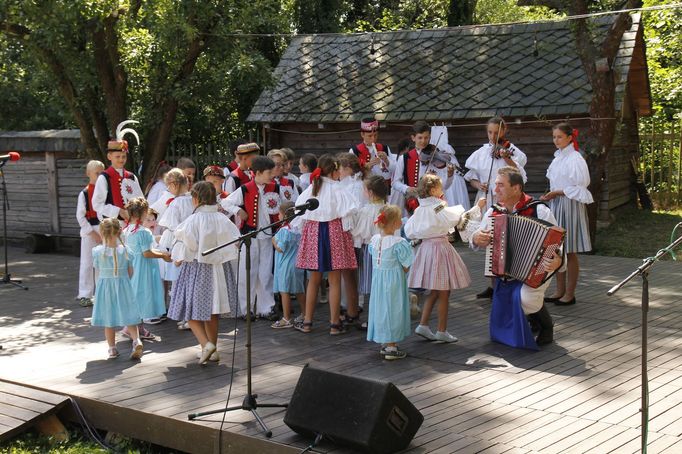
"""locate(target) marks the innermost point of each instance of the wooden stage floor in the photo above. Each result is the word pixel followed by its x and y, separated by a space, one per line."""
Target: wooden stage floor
pixel 581 394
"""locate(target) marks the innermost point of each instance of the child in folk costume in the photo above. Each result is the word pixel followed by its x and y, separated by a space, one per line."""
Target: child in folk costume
pixel 350 177
pixel 291 159
pixel 146 281
pixel 364 229
pixel 89 222
pixel 205 284
pixel 326 244
pixel 287 278
pixel 569 178
pixel 215 176
pixel 437 266
pixel 242 174
pixel 412 165
pixel 189 169
pixel 306 164
pixel 174 207
pixel 256 205
pixel 157 185
pixel 115 303
pixel 375 158
pixel 389 310
pixel 116 186
pixel 457 194
pixel 288 188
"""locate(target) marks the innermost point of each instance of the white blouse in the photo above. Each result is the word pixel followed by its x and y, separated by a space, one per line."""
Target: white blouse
pixel 431 221
pixel 480 160
pixel 568 172
pixel 203 230
pixel 334 203
pixel 364 227
pixel 156 192
pixel 161 203
pixel 354 186
pixel 177 211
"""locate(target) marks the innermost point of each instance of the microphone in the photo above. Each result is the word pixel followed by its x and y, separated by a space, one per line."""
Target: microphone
pixel 310 205
pixel 13 156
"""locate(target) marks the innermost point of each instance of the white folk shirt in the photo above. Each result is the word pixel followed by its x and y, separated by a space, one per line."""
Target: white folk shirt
pixel 479 168
pixel 334 204
pixel 81 209
pixel 99 196
pixel 431 221
pixel 233 203
pixel 568 172
pixel 385 172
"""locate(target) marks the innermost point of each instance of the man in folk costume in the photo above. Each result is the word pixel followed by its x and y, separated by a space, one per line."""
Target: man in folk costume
pixel 256 205
pixel 116 186
pixel 242 174
pixel 514 303
pixel 419 160
pixel 375 157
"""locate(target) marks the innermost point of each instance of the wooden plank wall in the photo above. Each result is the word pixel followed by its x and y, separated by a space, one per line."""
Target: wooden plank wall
pixel 71 181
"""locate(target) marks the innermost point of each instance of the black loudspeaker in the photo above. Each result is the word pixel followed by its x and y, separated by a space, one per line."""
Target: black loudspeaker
pixel 364 414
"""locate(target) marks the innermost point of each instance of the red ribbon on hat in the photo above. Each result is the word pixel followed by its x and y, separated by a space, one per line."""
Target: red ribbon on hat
pixel 317 173
pixel 381 219
pixel 574 139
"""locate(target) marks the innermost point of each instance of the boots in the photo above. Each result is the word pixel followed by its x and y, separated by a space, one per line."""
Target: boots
pixel 544 319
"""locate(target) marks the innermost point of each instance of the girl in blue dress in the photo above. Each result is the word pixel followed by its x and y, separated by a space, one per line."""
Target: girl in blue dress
pixel 288 279
pixel 146 280
pixel 389 308
pixel 115 303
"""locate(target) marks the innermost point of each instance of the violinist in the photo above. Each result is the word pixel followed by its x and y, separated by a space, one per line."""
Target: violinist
pixel 484 163
pixel 423 158
pixel 374 157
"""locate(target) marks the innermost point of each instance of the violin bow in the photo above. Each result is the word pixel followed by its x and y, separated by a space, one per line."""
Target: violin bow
pixel 492 158
pixel 435 149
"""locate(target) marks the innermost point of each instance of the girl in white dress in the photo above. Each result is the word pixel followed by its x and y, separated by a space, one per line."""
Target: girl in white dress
pixel 568 195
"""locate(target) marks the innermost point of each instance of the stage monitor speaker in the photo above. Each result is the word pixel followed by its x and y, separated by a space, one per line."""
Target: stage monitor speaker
pixel 365 414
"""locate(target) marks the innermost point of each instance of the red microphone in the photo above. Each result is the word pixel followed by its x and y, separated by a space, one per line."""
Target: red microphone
pixel 11 156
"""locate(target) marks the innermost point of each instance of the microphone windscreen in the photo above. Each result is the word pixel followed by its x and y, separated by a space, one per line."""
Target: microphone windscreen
pixel 313 203
pixel 14 156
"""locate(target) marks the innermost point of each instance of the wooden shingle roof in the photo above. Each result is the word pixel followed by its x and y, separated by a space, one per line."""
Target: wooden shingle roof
pixel 454 73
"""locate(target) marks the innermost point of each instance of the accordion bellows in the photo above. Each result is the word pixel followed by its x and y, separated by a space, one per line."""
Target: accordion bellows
pixel 520 244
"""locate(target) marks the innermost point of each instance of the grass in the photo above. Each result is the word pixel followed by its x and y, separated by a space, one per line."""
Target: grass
pixel 32 443
pixel 638 234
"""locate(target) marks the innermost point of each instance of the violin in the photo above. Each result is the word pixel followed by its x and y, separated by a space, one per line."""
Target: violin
pixel 502 149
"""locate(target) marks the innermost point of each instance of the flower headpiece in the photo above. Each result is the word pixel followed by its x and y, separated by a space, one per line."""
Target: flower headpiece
pixel 119 144
pixel 574 139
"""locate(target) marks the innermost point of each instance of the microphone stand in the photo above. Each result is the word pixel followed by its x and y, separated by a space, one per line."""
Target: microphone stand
pixel 643 270
pixel 6 277
pixel 250 403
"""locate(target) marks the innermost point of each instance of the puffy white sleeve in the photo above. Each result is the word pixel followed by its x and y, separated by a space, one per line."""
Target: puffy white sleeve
pixel 578 179
pixel 186 242
pixel 485 225
pixel 519 157
pixel 233 202
pixel 99 199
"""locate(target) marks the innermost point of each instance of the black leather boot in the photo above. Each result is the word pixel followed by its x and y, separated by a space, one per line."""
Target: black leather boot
pixel 546 334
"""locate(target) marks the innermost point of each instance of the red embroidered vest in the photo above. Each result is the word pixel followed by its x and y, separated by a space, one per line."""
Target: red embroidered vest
pixel 527 206
pixel 411 168
pixel 232 166
pixel 114 180
pixel 362 152
pixel 251 197
pixel 90 213
pixel 240 177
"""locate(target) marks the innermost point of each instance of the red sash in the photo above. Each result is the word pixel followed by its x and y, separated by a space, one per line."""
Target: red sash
pixel 362 152
pixel 251 197
pixel 411 168
pixel 115 185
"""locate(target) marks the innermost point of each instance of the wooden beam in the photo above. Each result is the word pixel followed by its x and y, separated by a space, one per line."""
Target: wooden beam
pixel 52 190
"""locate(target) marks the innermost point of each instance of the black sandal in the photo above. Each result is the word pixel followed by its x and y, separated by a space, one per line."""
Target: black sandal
pixel 340 329
pixel 304 327
pixel 349 321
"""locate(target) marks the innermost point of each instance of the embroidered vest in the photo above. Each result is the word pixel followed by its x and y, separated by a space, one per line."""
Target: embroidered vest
pixel 240 177
pixel 527 206
pixel 251 197
pixel 114 180
pixel 90 213
pixel 411 168
pixel 362 152
pixel 232 166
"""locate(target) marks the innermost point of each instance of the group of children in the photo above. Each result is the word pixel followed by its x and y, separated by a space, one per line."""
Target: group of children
pixel 355 240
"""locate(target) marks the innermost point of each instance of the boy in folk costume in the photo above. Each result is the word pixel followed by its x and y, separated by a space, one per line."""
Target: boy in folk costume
pixel 89 223
pixel 115 187
pixel 288 189
pixel 215 176
pixel 411 166
pixel 242 174
pixel 255 205
pixel 376 158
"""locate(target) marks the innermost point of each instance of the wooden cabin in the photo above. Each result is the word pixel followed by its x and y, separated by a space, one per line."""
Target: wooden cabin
pixel 459 77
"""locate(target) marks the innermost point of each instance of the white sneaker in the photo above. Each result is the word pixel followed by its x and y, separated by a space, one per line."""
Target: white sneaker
pixel 183 326
pixel 425 332
pixel 136 352
pixel 206 352
pixel 444 336
pixel 214 357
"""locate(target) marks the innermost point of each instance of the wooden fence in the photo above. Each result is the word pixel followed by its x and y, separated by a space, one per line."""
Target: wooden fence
pixel 660 163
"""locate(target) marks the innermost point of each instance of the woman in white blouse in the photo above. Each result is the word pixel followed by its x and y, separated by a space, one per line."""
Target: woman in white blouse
pixel 569 178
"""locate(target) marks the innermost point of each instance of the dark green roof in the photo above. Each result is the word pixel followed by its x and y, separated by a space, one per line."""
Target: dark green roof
pixel 454 73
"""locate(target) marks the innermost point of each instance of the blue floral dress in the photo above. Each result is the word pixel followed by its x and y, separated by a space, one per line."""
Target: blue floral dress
pixel 146 280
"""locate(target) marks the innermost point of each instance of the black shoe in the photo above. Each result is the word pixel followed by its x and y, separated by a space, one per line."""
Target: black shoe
pixel 544 319
pixel 534 324
pixel 487 293
pixel 558 302
pixel 272 316
pixel 549 299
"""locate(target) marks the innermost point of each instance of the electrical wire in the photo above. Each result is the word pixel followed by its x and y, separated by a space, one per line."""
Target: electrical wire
pixel 86 427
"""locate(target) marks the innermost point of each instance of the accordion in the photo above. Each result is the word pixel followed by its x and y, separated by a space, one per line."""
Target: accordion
pixel 520 244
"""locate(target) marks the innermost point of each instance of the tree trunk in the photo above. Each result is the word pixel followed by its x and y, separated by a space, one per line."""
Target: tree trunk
pixel 461 12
